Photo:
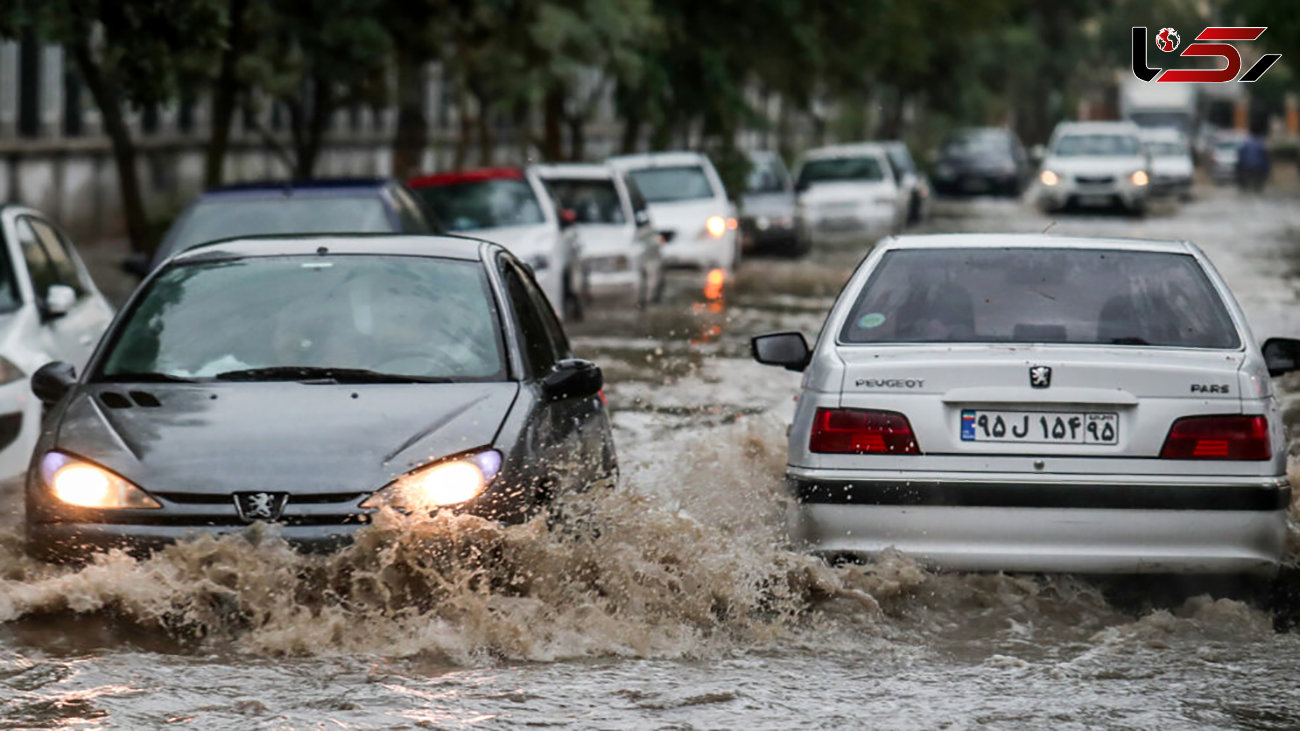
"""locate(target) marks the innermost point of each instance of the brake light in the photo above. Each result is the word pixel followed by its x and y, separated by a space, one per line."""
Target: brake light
pixel 1218 437
pixel 854 431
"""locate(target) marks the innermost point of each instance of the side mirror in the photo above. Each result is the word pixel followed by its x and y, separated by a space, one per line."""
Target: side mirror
pixel 568 217
pixel 52 381
pixel 1282 355
pixel 572 378
pixel 59 300
pixel 788 350
pixel 136 264
pixel 642 217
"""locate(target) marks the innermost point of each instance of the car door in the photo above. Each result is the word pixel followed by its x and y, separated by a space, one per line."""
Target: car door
pixel 647 238
pixel 51 261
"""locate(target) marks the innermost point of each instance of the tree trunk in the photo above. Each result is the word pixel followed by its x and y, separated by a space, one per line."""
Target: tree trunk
pixel 552 123
pixel 110 107
pixel 486 142
pixel 412 128
pixel 308 142
pixel 577 137
pixel 465 133
pixel 224 94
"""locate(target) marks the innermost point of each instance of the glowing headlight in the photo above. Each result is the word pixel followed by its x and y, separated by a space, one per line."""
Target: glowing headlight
pixel 1139 177
pixel 1049 178
pixel 9 372
pixel 716 226
pixel 450 482
pixel 81 483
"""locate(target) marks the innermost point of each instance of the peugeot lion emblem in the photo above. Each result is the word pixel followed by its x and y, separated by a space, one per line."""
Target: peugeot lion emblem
pixel 260 505
pixel 1040 376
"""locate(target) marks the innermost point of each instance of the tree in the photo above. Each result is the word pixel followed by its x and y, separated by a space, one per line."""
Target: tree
pixel 129 55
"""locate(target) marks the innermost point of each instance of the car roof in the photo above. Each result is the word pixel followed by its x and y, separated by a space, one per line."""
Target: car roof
pixel 440 246
pixel 474 175
pixel 585 171
pixel 847 149
pixel 658 159
pixel 323 186
pixel 1032 241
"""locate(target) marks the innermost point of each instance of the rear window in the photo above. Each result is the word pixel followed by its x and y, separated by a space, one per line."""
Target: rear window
pixel 677 183
pixel 1017 295
pixel 838 169
pixel 477 204
pixel 221 218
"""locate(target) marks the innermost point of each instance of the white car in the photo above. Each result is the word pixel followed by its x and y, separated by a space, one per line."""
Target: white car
pixel 50 310
pixel 1225 146
pixel 914 186
pixel 1171 161
pixel 849 192
pixel 511 207
pixel 1034 403
pixel 689 207
pixel 1095 164
pixel 620 247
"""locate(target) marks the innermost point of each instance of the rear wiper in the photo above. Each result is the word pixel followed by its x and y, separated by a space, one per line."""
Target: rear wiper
pixel 323 373
pixel 145 377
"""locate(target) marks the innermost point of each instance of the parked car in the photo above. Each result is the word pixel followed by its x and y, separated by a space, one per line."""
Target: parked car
pixel 1224 149
pixel 689 207
pixel 50 310
pixel 1171 161
pixel 768 217
pixel 912 183
pixel 510 206
pixel 997 402
pixel 620 247
pixel 1095 164
pixel 982 160
pixel 849 192
pixel 326 205
pixel 335 376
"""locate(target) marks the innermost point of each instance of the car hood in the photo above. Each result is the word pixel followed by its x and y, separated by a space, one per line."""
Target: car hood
pixel 686 217
pixel 772 205
pixel 1100 165
pixel 522 241
pixel 600 239
pixel 279 437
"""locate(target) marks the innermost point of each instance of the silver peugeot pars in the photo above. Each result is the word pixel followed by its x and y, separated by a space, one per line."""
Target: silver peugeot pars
pixel 1038 403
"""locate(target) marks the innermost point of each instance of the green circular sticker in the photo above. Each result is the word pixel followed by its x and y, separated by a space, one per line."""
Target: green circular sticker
pixel 871 319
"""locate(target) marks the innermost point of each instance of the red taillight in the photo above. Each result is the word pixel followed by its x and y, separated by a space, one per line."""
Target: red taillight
pixel 1218 437
pixel 852 431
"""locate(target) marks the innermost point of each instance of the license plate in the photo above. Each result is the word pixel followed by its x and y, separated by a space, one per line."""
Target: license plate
pixel 842 223
pixel 1039 427
pixel 1095 200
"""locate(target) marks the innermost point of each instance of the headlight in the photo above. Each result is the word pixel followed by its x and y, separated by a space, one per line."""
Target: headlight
pixel 9 372
pixel 81 483
pixel 539 262
pixel 1139 178
pixel 1049 178
pixel 716 226
pixel 445 483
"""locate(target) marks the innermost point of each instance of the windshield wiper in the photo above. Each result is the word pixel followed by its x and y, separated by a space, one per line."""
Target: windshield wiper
pixel 145 377
pixel 323 373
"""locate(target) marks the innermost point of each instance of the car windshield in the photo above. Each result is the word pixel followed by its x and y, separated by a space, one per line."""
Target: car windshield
pixel 476 204
pixel 411 317
pixel 592 201
pixel 1019 295
pixel 1166 148
pixel 1096 145
pixel 673 183
pixel 977 144
pixel 765 176
pixel 229 217
pixel 840 169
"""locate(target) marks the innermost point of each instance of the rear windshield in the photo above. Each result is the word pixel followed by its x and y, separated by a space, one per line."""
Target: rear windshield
pixel 836 169
pixel 1096 145
pixel 592 201
pixel 1016 295
pixel 221 218
pixel 678 183
pixel 477 204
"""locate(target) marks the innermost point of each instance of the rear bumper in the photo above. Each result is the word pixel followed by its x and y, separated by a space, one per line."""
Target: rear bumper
pixel 1011 525
pixel 76 541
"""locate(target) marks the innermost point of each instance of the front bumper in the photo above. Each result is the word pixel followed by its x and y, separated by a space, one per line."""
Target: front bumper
pixel 873 222
pixel 701 253
pixel 1031 524
pixel 1069 192
pixel 77 541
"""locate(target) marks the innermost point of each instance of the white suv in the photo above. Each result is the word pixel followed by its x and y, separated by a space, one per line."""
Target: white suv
pixel 850 192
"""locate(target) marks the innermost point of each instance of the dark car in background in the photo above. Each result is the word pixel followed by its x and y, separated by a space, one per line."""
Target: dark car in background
pixel 768 212
pixel 310 382
pixel 981 160
pixel 339 205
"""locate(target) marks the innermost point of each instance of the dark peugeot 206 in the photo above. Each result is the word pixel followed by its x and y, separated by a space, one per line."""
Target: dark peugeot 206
pixel 310 382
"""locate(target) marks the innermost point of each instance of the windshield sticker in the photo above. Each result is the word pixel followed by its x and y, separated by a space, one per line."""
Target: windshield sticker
pixel 871 319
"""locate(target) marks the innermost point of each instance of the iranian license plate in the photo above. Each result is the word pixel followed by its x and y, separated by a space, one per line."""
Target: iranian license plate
pixel 1095 200
pixel 1039 427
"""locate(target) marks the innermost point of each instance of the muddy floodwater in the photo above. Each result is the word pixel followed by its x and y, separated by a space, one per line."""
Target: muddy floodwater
pixel 672 602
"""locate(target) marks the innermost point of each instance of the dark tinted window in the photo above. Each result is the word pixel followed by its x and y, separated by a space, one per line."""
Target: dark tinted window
pixel 410 213
pixel 594 201
pixel 639 205
pixel 539 351
pixel 56 249
pixel 220 218
pixel 39 266
pixel 10 299
pixel 766 175
pixel 483 204
pixel 675 183
pixel 1017 295
pixel 839 169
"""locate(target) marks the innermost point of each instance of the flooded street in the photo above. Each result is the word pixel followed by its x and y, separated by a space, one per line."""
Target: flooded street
pixel 671 601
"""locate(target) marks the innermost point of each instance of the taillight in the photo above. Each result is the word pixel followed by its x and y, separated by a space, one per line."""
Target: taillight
pixel 853 431
pixel 1218 437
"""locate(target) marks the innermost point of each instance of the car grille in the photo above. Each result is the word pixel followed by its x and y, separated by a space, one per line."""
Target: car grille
pixel 1094 179
pixel 608 264
pixel 180 508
